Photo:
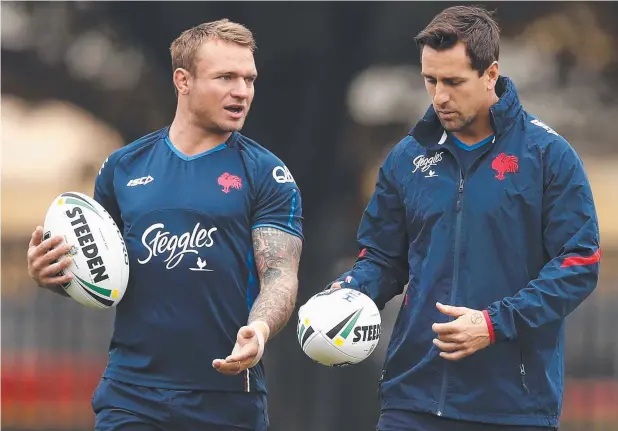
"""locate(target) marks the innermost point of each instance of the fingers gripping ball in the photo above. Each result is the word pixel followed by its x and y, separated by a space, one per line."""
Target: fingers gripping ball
pixel 339 327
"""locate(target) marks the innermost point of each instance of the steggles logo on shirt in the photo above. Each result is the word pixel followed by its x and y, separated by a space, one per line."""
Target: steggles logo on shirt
pixel 160 242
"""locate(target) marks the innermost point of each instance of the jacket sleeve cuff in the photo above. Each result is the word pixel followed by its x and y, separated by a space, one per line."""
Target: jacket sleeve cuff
pixel 490 327
pixel 346 280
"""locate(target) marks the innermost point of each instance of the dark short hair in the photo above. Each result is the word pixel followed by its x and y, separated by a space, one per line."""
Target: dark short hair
pixel 472 25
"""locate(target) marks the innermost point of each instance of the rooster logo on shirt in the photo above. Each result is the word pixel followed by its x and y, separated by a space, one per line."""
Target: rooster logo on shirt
pixel 504 164
pixel 229 181
pixel 201 265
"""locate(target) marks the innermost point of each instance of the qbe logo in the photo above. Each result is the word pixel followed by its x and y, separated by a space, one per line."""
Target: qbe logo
pixel 282 175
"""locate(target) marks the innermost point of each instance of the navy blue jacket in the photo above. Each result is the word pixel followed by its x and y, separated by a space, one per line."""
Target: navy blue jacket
pixel 516 236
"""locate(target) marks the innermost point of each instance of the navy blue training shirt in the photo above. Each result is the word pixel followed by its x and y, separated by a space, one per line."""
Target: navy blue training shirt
pixel 187 225
pixel 467 154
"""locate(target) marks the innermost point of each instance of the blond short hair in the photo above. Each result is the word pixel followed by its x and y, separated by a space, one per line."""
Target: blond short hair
pixel 183 50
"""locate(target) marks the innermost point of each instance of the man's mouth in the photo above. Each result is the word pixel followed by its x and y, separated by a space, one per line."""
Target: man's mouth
pixel 235 109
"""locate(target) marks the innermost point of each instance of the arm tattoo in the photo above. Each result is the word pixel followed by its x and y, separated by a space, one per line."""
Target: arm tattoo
pixel 277 255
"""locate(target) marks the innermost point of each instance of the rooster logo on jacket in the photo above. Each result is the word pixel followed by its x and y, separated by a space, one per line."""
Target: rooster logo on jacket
pixel 504 164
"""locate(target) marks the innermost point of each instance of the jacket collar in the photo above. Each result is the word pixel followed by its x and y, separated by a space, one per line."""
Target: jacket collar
pixel 429 132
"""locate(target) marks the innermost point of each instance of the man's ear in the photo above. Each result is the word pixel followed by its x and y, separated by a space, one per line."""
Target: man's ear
pixel 491 75
pixel 182 78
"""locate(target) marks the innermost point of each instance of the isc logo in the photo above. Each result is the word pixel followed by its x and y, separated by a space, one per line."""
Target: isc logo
pixel 140 181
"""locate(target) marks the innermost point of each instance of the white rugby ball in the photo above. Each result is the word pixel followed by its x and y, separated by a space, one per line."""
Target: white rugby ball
pixel 339 327
pixel 100 264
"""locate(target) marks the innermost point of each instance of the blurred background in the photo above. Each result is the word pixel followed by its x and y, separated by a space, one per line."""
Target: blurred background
pixel 339 86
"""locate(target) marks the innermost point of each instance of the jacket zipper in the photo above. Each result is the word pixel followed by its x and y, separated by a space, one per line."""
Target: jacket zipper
pixel 458 223
pixel 380 384
pixel 522 370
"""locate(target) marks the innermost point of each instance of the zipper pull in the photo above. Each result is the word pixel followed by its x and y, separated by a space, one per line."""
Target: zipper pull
pixel 522 371
pixel 380 384
pixel 459 193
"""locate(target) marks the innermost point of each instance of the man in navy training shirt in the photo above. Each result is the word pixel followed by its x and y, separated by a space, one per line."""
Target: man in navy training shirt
pixel 487 214
pixel 212 225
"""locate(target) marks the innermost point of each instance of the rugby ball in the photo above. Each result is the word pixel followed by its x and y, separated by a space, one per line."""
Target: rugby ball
pixel 100 264
pixel 339 327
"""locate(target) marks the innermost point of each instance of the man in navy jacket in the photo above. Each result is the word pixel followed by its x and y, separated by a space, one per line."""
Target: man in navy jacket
pixel 487 214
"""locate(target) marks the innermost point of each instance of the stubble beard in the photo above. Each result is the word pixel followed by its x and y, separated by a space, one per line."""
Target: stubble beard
pixel 220 128
pixel 458 125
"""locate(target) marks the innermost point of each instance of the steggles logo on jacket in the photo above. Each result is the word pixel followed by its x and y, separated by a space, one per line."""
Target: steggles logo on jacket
pixel 424 163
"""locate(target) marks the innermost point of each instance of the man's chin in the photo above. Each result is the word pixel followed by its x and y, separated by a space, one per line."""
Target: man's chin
pixel 452 126
pixel 229 127
pixel 232 129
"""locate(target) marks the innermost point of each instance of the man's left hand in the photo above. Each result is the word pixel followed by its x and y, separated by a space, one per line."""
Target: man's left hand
pixel 461 337
pixel 245 351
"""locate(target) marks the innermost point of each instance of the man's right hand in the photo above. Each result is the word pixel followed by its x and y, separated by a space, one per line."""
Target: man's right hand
pixel 348 282
pixel 41 258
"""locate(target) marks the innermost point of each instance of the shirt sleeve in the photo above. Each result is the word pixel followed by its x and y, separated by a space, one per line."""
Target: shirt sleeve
pixel 278 202
pixel 104 192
